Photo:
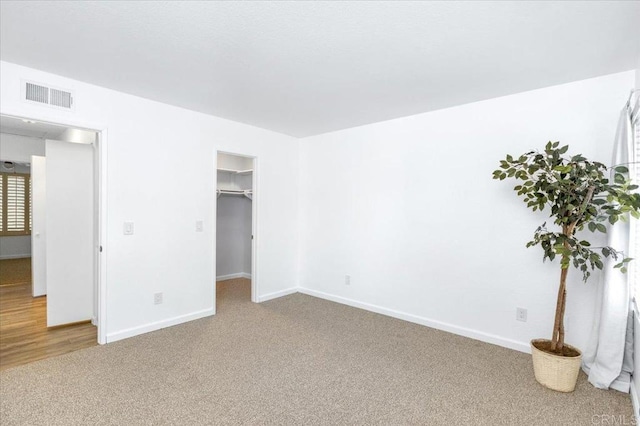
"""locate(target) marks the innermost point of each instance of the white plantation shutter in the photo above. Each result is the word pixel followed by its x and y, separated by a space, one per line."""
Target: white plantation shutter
pixel 15 204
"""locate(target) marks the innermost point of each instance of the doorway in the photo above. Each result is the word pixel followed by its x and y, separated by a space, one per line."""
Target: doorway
pixel 49 232
pixel 235 228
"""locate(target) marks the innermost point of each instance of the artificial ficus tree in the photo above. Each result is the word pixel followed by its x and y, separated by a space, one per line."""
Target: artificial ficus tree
pixel 580 196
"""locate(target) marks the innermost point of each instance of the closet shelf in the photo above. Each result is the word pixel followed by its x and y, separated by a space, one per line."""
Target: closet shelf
pixel 246 192
pixel 236 172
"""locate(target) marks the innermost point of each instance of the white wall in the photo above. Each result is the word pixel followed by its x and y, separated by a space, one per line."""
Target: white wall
pixel 234 162
pixel 166 254
pixel 233 239
pixel 637 86
pixel 15 247
pixel 408 208
pixel 19 148
pixel 77 136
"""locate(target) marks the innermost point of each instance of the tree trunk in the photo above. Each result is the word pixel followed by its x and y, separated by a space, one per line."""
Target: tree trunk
pixel 557 338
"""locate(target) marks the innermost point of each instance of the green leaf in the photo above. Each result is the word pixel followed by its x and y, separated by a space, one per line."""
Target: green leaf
pixel 592 226
pixel 600 227
pixel 622 169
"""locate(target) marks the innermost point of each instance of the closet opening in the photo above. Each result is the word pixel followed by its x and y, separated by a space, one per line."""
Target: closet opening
pixel 235 229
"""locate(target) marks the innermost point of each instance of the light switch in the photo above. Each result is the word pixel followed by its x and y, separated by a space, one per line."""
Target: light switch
pixel 128 228
pixel 199 226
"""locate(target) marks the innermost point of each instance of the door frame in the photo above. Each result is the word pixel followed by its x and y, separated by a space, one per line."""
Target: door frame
pixel 254 225
pixel 100 215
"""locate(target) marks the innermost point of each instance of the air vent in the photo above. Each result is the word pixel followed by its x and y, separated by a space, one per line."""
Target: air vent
pixel 60 98
pixel 41 94
pixel 37 93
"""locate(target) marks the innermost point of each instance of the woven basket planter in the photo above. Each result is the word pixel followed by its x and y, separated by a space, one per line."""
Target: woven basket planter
pixel 556 372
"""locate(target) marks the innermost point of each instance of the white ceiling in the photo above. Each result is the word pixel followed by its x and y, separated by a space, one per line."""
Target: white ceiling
pixel 304 68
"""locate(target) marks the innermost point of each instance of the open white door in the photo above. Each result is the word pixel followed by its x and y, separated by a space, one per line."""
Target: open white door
pixel 70 232
pixel 38 229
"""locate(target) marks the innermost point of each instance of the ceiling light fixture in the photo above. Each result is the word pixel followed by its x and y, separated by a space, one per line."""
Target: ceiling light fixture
pixel 28 121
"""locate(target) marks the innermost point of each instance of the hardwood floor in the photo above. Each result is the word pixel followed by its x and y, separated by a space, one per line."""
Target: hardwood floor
pixel 24 336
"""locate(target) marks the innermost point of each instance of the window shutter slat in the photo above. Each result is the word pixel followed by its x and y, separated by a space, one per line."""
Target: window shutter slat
pixel 16 200
pixel 15 208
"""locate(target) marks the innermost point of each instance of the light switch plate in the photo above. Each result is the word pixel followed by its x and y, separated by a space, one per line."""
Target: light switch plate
pixel 128 228
pixel 199 226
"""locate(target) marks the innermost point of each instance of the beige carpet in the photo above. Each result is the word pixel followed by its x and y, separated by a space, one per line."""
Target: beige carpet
pixel 294 360
pixel 15 271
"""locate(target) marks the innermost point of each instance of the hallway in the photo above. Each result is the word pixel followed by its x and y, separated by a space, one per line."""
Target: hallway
pixel 24 336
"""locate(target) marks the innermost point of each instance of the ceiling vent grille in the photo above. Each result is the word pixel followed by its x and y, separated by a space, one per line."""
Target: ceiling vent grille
pixel 60 98
pixel 38 93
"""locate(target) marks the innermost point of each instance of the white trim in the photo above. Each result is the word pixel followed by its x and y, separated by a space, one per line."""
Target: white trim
pixel 233 276
pixel 15 256
pixel 278 294
pixel 439 325
pixel 158 325
pixel 101 186
pixel 255 191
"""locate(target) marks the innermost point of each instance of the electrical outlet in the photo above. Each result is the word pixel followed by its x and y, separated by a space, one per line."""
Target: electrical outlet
pixel 157 299
pixel 521 314
pixel 347 279
pixel 199 226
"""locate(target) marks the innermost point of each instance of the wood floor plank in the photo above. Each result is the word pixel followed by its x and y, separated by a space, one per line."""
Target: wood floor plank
pixel 24 336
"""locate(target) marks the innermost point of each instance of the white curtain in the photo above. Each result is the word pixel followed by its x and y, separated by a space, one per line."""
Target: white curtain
pixel 608 358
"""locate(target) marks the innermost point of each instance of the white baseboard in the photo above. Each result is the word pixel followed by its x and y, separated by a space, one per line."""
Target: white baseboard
pixel 461 331
pixel 233 276
pixel 634 401
pixel 277 294
pixel 14 256
pixel 146 328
